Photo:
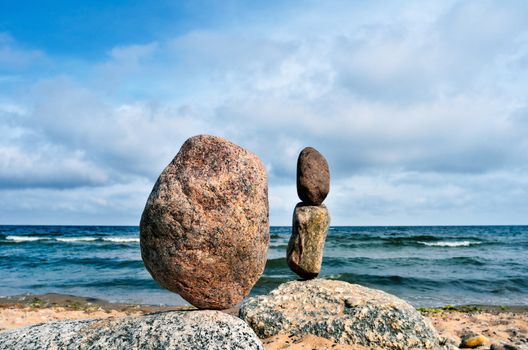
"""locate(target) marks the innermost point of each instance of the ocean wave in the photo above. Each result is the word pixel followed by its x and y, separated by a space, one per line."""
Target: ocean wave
pixel 276 263
pixel 450 244
pixel 348 236
pixel 377 262
pixel 497 285
pixel 278 246
pixel 374 241
pixel 26 238
pixel 76 239
pixel 121 239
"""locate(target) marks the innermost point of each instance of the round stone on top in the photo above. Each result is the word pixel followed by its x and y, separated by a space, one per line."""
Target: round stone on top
pixel 313 176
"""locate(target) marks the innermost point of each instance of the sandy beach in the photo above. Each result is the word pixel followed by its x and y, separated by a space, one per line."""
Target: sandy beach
pixel 507 325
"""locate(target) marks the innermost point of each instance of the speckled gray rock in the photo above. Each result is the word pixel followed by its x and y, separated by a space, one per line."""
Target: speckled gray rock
pixel 342 312
pixel 306 245
pixel 170 330
pixel 313 176
pixel 204 232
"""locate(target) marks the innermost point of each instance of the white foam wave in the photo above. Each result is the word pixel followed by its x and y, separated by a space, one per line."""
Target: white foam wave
pixel 26 238
pixel 449 244
pixel 121 239
pixel 73 239
pixel 76 239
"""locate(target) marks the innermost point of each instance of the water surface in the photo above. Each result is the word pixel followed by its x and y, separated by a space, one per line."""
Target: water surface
pixel 427 266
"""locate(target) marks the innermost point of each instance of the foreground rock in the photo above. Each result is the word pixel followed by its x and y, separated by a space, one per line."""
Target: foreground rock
pixel 205 229
pixel 342 312
pixel 170 330
pixel 313 176
pixel 306 245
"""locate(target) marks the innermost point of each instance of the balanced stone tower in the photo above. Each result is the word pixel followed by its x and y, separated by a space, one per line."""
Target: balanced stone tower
pixel 310 217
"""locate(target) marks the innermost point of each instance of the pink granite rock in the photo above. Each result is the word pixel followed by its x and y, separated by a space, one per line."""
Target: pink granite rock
pixel 205 227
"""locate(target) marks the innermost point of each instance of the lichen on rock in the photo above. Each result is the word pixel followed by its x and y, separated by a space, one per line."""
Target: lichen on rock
pixel 342 312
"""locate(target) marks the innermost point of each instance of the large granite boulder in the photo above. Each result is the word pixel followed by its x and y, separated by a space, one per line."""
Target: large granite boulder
pixel 313 176
pixel 169 330
pixel 205 229
pixel 306 245
pixel 342 312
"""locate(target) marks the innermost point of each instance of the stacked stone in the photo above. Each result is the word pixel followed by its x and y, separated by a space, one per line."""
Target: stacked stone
pixel 310 217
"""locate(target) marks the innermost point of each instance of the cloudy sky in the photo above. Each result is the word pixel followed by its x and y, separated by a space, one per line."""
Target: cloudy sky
pixel 421 108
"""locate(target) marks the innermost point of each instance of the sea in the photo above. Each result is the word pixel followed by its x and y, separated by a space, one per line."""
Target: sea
pixel 427 266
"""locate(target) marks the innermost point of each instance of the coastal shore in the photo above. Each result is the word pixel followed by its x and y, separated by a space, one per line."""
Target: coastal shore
pixel 507 324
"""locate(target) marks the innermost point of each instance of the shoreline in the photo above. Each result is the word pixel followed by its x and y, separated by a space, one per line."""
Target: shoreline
pixel 25 310
pixel 499 323
pixel 75 302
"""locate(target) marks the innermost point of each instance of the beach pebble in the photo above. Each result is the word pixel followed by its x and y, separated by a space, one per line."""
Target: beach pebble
pixel 204 232
pixel 472 340
pixel 207 329
pixel 313 176
pixel 306 245
pixel 341 312
pixel 496 346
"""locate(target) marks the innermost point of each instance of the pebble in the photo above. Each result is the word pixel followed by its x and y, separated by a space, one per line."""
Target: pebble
pixel 496 346
pixel 472 340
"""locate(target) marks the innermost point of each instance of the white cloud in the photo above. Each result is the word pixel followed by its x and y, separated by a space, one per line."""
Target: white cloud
pixel 420 109
pixel 12 56
pixel 110 204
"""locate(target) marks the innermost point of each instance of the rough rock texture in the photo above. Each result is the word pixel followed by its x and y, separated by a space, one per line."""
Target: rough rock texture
pixel 205 228
pixel 313 176
pixel 342 312
pixel 170 330
pixel 306 245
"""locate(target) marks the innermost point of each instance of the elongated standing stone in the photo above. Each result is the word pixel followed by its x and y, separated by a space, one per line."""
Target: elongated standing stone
pixel 306 245
pixel 205 229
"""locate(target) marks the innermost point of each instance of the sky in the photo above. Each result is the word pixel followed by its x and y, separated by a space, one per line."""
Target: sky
pixel 421 108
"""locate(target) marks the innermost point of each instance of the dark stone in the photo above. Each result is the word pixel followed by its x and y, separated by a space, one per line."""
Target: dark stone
pixel 313 176
pixel 496 346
